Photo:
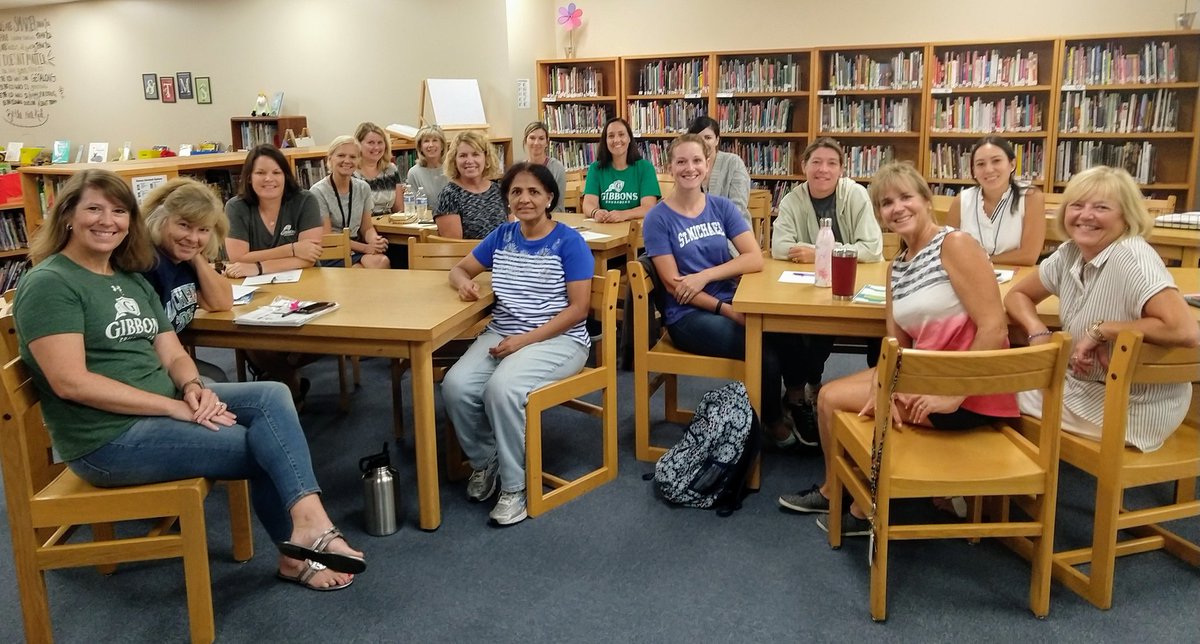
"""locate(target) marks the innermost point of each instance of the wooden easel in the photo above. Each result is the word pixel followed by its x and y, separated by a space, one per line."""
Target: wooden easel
pixel 446 125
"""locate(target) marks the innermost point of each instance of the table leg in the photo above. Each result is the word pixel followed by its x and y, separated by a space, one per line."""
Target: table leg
pixel 1191 258
pixel 425 436
pixel 754 356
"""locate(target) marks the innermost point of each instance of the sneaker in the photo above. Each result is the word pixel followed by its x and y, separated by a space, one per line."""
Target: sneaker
pixel 809 501
pixel 482 484
pixel 852 526
pixel 785 443
pixel 510 508
pixel 804 419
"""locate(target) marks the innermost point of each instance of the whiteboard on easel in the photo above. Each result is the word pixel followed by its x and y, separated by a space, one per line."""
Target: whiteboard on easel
pixel 456 102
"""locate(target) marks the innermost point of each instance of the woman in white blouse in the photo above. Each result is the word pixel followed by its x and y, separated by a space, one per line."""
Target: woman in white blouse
pixel 1005 217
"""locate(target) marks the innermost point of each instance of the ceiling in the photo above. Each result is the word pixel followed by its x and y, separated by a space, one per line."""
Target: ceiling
pixel 14 4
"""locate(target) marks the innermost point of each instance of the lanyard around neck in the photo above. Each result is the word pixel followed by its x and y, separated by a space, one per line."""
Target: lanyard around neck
pixel 338 199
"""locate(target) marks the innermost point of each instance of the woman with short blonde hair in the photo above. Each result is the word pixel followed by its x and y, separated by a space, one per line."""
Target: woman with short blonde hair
pixel 471 205
pixel 377 169
pixel 426 174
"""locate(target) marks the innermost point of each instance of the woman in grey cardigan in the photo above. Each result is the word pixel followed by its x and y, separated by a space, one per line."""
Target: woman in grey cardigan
pixel 727 174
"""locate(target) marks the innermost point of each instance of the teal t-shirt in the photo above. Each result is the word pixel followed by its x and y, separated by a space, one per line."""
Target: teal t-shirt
pixel 622 189
pixel 119 316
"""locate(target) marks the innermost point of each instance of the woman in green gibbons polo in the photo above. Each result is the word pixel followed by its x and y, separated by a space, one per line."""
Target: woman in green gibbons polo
pixel 620 185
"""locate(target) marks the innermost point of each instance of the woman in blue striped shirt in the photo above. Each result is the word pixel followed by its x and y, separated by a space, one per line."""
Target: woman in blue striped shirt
pixel 541 276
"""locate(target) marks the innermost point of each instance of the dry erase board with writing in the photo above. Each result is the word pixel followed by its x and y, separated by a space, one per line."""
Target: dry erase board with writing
pixel 28 80
pixel 456 101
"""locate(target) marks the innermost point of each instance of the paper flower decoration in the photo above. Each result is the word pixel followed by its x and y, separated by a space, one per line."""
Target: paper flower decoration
pixel 570 17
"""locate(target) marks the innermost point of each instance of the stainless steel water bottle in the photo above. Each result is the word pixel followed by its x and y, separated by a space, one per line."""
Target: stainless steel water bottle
pixel 381 500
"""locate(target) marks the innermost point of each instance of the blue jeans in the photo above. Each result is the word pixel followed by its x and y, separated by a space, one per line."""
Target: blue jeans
pixel 706 333
pixel 267 447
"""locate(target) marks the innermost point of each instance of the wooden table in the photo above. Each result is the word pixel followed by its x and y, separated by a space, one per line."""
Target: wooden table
pixel 1182 244
pixel 774 306
pixel 399 233
pixel 378 316
pixel 614 243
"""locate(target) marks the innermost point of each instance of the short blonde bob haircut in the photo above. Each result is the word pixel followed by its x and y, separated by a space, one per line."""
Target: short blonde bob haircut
pixel 1110 184
pixel 899 175
pixel 478 142
pixel 134 254
pixel 430 132
pixel 367 127
pixel 193 202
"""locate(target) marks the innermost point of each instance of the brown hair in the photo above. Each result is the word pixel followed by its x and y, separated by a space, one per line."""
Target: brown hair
pixel 367 127
pixel 193 202
pixel 825 142
pixel 134 254
pixel 430 132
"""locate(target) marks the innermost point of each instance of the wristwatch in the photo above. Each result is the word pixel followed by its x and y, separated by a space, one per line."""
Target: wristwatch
pixel 1095 333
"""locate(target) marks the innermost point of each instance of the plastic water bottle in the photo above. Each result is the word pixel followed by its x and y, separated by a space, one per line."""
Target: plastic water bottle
pixel 824 268
pixel 410 203
pixel 422 203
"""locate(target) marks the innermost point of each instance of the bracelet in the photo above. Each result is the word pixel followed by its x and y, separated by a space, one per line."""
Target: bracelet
pixel 717 308
pixel 260 268
pixel 1095 333
pixel 194 381
pixel 1040 334
pixel 593 213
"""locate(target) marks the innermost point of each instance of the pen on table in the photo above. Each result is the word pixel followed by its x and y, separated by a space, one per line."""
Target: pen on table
pixel 802 274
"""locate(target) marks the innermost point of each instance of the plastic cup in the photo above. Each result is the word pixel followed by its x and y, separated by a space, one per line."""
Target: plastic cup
pixel 845 271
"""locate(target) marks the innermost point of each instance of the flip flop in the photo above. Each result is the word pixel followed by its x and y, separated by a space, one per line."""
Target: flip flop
pixel 337 561
pixel 311 568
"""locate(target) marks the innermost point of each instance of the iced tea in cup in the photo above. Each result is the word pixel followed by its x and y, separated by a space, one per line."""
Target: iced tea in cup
pixel 845 270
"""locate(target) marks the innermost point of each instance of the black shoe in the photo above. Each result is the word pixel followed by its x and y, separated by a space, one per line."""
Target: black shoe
pixel 804 419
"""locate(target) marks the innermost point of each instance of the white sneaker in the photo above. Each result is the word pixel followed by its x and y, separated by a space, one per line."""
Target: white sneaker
pixel 510 508
pixel 482 484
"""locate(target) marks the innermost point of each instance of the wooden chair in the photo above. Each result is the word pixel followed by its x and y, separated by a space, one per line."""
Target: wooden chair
pixel 941 207
pixel 47 503
pixel 891 246
pixel 1118 468
pixel 654 353
pixel 566 392
pixel 760 217
pixel 919 462
pixel 438 253
pixel 336 247
pixel 572 199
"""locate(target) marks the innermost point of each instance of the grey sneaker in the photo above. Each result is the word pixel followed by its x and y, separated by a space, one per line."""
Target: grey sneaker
pixel 808 501
pixel 852 526
pixel 804 419
pixel 510 508
pixel 482 484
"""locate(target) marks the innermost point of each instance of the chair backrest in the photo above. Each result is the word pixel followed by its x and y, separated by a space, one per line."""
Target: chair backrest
pixel 966 373
pixel 604 310
pixel 760 217
pixel 1134 361
pixel 648 303
pixel 8 329
pixel 25 451
pixel 336 247
pixel 572 199
pixel 438 256
pixel 666 185
pixel 891 246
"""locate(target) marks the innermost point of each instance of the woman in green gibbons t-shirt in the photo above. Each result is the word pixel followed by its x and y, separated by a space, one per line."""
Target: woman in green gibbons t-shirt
pixel 122 399
pixel 620 185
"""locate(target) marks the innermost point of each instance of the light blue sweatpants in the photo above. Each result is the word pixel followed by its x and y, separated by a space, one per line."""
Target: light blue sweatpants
pixel 485 398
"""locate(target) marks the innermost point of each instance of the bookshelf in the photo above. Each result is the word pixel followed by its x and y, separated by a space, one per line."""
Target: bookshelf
pixel 14 243
pixel 663 95
pixel 872 100
pixel 1130 100
pixel 1004 88
pixel 577 96
pixel 248 131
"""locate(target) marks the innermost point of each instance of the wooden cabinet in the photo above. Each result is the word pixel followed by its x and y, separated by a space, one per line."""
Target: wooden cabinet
pixel 577 96
pixel 249 131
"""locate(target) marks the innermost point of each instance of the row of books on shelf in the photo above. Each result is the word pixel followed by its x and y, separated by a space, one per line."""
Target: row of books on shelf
pixel 763 157
pixel 843 114
pixel 985 69
pixel 656 153
pixel 674 77
pixel 905 70
pixel 575 155
pixel 258 133
pixel 12 231
pixel 577 118
pixel 864 160
pixel 953 160
pixel 1114 64
pixel 963 114
pixel 1156 111
pixel 663 116
pixel 574 82
pixel 1136 158
pixel 759 75
pixel 777 189
pixel 11 271
pixel 770 116
pixel 310 171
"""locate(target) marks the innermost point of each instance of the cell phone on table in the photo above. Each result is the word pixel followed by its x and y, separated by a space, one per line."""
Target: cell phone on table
pixel 1193 299
pixel 315 307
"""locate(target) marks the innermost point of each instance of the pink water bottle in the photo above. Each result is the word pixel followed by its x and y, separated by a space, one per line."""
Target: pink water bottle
pixel 824 268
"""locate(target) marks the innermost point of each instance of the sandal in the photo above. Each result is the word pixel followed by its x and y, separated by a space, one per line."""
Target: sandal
pixel 337 561
pixel 311 568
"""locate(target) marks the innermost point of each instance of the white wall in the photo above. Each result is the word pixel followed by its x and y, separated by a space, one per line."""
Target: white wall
pixel 341 62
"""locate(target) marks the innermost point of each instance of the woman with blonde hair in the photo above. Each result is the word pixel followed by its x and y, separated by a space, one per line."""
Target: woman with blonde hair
pixel 427 173
pixel 1108 279
pixel 376 168
pixel 345 202
pixel 471 205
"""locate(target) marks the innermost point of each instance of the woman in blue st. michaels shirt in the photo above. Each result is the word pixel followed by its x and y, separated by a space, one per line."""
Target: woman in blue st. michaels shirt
pixel 688 236
pixel 542 277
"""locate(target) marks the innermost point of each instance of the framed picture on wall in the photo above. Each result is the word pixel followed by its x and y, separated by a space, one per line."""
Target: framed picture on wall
pixel 203 90
pixel 183 85
pixel 150 86
pixel 166 87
